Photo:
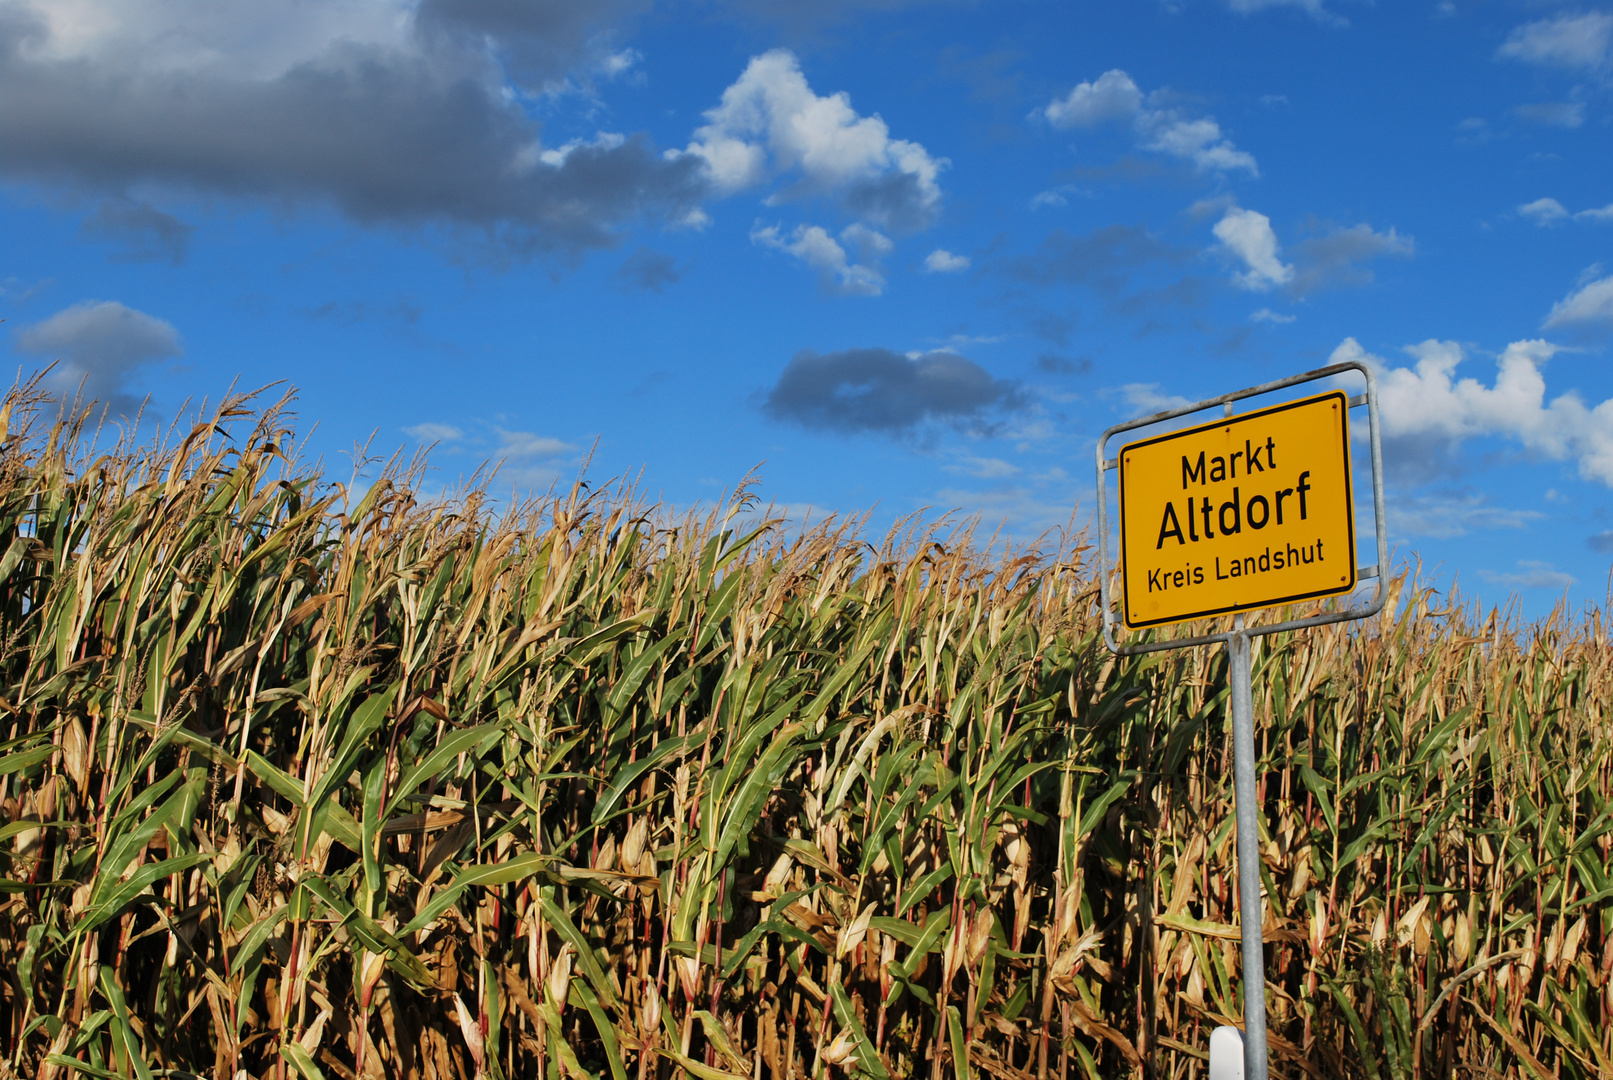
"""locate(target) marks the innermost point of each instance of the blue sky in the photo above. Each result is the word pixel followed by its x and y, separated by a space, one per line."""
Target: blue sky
pixel 901 255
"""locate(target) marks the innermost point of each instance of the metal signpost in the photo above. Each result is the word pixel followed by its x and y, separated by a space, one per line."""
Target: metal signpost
pixel 1249 511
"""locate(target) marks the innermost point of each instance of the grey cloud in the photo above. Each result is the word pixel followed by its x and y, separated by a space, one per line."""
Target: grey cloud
pixel 1054 364
pixel 1339 257
pixel 1600 542
pixel 388 136
pixel 1182 293
pixel 895 200
pixel 1051 327
pixel 99 344
pixel 877 390
pixel 536 40
pixel 1103 259
pixel 144 233
pixel 649 269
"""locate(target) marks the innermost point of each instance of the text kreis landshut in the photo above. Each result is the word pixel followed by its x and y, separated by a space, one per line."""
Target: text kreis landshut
pixel 1208 519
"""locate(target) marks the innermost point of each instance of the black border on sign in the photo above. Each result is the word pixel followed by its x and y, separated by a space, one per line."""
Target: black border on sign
pixel 1349 494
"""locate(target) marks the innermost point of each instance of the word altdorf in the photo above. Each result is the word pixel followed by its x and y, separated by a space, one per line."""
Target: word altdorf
pixel 1247 512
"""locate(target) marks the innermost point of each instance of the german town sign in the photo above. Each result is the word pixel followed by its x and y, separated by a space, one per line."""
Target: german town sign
pixel 1251 510
pixel 1245 512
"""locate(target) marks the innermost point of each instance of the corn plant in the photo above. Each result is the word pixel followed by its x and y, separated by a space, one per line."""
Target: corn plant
pixel 298 780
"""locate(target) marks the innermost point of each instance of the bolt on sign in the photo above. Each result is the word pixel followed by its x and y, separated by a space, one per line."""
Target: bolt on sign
pixel 1250 511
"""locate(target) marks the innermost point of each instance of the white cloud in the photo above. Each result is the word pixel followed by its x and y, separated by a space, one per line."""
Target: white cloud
pixel 985 468
pixel 770 123
pixel 1249 236
pixel 1590 305
pixel 942 261
pixel 871 244
pixel 1199 141
pixel 619 63
pixel 1055 197
pixel 1445 515
pixel 1115 96
pixel 555 157
pixel 1145 398
pixel 1427 401
pixel 1560 114
pixel 99 344
pixel 524 445
pixel 1544 211
pixel 813 245
pixel 1314 7
pixel 1111 96
pixel 1532 574
pixel 432 432
pixel 1602 215
pixel 1568 41
pixel 1268 315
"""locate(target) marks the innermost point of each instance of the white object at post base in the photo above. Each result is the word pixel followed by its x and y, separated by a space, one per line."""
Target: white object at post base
pixel 1226 1054
pixel 1240 1056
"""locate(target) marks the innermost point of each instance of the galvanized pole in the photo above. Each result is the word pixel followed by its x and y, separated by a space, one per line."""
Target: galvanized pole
pixel 1248 811
pixel 1224 1041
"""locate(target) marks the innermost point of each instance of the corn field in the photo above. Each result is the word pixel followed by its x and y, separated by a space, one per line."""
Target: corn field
pixel 298 781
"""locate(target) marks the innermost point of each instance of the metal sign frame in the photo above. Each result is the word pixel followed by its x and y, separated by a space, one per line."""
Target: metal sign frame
pixel 1239 650
pixel 1364 573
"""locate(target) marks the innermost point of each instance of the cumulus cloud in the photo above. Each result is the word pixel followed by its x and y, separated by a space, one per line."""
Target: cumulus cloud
pixel 1568 41
pixel 1335 257
pixel 1199 141
pixel 1115 96
pixel 1248 235
pixel 1589 307
pixel 1544 211
pixel 1111 96
pixel 880 391
pixel 1427 403
pixel 942 261
pixel 1548 211
pixel 99 345
pixel 813 245
pixel 771 124
pixel 395 114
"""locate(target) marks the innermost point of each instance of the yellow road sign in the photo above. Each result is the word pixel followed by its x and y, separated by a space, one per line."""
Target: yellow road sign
pixel 1247 512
